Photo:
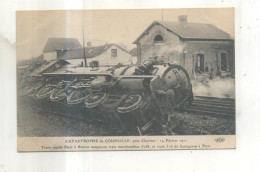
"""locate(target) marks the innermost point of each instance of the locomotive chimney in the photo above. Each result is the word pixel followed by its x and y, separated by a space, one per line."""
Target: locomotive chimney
pixel 182 18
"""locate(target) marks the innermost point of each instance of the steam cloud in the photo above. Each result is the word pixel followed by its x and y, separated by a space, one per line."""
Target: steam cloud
pixel 220 87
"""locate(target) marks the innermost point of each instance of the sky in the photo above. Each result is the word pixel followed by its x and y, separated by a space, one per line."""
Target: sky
pixel 33 28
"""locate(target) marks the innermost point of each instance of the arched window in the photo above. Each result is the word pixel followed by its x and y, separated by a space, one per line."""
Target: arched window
pixel 158 38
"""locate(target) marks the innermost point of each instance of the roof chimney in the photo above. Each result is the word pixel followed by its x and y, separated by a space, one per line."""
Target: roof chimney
pixel 182 18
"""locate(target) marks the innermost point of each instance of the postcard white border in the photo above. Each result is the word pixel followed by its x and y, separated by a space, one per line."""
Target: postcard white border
pixel 244 158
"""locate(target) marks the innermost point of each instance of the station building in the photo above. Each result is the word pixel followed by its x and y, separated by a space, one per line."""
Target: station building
pixel 192 45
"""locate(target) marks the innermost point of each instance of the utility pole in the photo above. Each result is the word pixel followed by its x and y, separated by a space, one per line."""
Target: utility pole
pixel 162 14
pixel 83 23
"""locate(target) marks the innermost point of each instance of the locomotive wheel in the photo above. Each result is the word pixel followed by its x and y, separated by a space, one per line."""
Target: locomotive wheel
pixel 61 92
pixel 131 103
pixel 45 92
pixel 77 96
pixel 95 99
pixel 58 95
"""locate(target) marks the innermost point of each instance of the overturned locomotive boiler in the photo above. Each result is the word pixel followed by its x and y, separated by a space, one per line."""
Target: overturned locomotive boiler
pixel 134 99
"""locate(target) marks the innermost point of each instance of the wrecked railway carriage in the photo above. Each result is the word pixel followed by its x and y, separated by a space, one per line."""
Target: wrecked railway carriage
pixel 133 99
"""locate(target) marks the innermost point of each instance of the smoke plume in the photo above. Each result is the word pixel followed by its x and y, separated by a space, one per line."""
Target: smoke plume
pixel 220 87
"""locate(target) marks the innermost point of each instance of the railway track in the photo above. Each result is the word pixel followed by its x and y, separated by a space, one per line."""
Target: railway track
pixel 213 106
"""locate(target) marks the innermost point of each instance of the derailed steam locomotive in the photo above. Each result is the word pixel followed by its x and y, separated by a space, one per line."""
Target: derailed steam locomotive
pixel 134 99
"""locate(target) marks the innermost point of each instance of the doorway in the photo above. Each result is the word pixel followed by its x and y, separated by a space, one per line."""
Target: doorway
pixel 223 61
pixel 200 61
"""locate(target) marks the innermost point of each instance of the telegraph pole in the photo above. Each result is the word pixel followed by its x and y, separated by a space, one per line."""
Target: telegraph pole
pixel 162 14
pixel 83 23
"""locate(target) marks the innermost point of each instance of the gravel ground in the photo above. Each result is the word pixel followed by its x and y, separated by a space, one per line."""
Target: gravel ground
pixel 198 124
pixel 34 121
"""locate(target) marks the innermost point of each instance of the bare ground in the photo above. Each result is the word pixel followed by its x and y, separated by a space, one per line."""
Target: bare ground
pixel 34 121
pixel 203 124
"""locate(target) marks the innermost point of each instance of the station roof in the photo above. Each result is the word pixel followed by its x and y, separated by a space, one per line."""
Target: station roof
pixel 187 30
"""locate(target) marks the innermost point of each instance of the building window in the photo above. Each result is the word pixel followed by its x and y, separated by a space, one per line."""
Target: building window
pixel 113 52
pixel 223 61
pixel 158 39
pixel 94 63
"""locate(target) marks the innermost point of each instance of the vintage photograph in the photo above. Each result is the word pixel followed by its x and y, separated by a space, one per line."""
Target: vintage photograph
pixel 140 73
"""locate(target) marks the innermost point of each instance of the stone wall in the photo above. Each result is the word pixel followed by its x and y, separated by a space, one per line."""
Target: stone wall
pixel 170 48
pixel 185 52
pixel 211 50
